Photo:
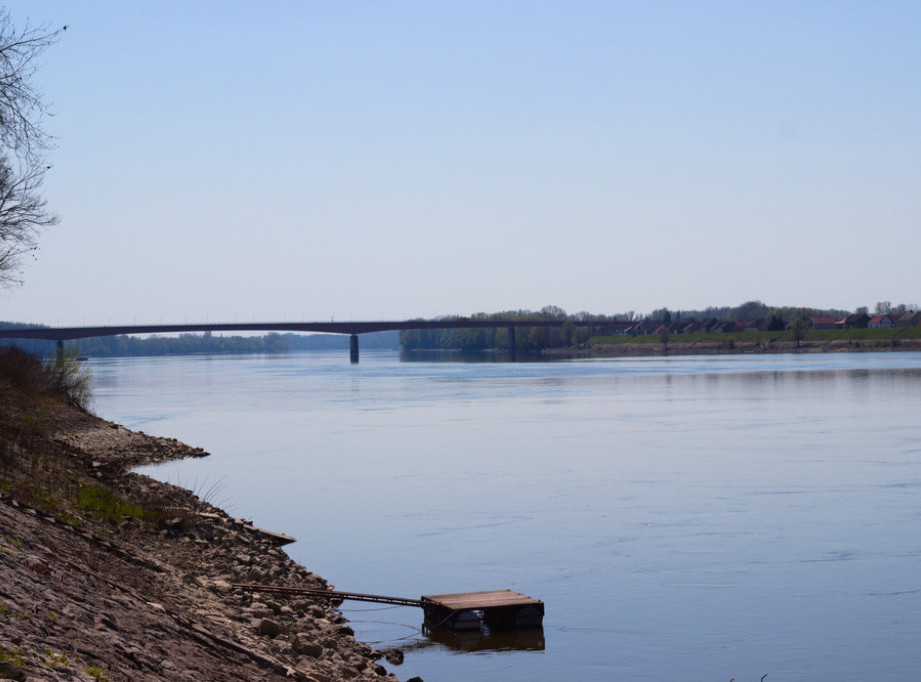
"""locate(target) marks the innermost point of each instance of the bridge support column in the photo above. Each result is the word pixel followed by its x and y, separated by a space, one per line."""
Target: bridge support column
pixel 60 358
pixel 353 349
pixel 511 343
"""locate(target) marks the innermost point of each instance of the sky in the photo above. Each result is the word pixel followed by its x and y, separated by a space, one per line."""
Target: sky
pixel 221 161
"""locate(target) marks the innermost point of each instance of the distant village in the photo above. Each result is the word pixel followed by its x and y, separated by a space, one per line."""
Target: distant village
pixel 713 326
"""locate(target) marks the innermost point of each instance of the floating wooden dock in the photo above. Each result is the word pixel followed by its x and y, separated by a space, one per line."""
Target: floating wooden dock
pixel 497 609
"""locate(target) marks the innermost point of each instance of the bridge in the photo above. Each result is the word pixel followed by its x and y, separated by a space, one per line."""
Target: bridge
pixel 353 329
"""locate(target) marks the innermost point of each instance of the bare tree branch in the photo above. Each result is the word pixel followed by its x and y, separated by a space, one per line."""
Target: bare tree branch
pixel 23 144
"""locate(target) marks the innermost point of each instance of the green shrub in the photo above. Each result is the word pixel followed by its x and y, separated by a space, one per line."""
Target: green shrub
pixel 63 377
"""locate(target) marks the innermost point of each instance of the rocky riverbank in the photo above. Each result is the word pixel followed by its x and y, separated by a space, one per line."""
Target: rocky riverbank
pixel 110 575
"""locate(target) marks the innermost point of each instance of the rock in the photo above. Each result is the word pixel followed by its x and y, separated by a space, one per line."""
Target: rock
pixel 11 672
pixel 269 628
pixel 219 586
pixel 394 656
pixel 315 650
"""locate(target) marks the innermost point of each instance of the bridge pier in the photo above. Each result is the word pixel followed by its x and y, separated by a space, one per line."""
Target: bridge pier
pixel 511 343
pixel 60 357
pixel 353 349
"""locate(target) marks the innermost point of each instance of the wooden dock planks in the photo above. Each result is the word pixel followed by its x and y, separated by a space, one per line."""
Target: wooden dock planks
pixel 481 600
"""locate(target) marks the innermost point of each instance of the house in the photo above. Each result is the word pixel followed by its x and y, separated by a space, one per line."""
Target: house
pixel 755 325
pixel 855 321
pixel 908 319
pixel 708 324
pixel 724 327
pixel 822 322
pixel 880 322
pixel 644 327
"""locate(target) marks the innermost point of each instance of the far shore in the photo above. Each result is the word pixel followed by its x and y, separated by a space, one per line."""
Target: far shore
pixel 728 347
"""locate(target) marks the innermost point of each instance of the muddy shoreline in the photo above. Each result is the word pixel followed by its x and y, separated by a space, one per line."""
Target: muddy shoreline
pixel 146 593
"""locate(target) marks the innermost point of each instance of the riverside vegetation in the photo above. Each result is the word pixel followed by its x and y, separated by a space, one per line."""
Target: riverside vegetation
pixel 110 575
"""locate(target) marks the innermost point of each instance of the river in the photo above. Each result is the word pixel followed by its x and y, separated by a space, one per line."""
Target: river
pixel 705 518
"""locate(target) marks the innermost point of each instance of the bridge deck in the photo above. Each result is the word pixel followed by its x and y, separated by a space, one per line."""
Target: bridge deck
pixel 352 328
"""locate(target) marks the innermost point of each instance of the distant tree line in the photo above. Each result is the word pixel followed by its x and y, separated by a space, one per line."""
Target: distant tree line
pixel 574 330
pixel 577 329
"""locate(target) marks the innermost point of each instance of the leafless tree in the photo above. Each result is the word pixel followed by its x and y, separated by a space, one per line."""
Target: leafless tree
pixel 24 142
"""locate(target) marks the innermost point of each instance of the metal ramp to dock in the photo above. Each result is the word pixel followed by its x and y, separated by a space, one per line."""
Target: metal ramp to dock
pixel 497 609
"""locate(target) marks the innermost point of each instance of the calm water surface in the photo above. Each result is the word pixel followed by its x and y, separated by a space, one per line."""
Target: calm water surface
pixel 699 518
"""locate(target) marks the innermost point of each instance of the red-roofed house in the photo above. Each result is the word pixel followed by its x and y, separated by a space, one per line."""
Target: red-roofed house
pixel 822 322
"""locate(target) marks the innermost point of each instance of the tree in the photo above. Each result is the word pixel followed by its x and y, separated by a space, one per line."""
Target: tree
pixel 579 336
pixel 23 145
pixel 883 307
pixel 566 333
pixel 553 311
pixel 538 338
pixel 799 327
pixel 664 335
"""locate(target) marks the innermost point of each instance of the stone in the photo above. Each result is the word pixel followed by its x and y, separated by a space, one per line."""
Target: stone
pixel 269 628
pixel 11 672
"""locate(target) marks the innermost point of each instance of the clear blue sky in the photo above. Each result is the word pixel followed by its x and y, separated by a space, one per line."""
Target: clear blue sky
pixel 229 160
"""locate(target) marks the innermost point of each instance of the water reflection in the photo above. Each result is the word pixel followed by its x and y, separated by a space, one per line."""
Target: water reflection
pixel 479 356
pixel 527 639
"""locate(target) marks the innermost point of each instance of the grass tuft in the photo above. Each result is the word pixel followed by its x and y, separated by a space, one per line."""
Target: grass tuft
pixel 103 504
